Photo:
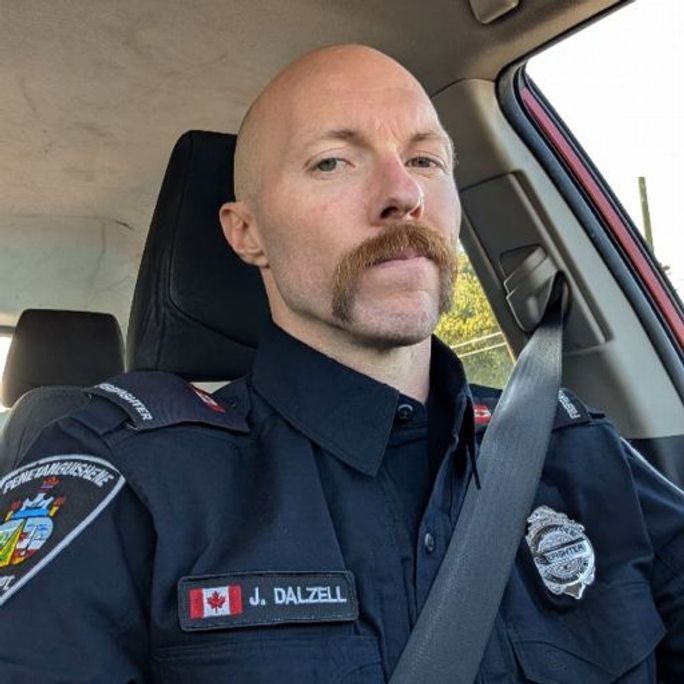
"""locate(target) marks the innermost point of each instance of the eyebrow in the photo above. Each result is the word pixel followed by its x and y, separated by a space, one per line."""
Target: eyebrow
pixel 354 136
pixel 439 136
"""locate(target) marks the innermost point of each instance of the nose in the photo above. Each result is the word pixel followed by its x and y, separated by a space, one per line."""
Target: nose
pixel 400 195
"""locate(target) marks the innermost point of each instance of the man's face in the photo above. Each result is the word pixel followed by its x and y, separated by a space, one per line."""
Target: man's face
pixel 356 186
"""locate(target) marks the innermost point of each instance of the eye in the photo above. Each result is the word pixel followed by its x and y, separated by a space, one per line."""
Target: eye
pixel 327 165
pixel 423 162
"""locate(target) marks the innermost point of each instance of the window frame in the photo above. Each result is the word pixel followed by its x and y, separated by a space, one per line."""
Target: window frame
pixel 605 221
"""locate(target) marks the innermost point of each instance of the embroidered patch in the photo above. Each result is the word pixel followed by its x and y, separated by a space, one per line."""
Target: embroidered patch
pixel 153 399
pixel 208 400
pixel 248 599
pixel 44 506
pixel 562 552
pixel 482 414
pixel 127 398
pixel 570 411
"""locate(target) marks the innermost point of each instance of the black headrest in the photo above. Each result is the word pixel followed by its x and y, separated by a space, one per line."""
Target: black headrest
pixel 52 347
pixel 198 310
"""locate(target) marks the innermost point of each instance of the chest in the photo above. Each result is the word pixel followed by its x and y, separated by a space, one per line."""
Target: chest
pixel 280 524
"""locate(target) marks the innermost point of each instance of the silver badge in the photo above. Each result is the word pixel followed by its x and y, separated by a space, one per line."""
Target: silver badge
pixel 562 552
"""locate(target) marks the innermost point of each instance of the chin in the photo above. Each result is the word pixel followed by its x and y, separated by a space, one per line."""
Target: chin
pixel 401 329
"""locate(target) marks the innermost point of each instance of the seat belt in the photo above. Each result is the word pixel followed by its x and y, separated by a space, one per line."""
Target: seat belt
pixel 448 641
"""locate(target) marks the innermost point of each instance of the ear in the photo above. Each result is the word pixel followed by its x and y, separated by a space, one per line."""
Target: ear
pixel 240 230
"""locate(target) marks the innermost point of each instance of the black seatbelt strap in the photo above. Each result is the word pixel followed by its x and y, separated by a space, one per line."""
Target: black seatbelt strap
pixel 448 641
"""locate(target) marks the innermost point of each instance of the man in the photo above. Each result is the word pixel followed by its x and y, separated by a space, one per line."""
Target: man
pixel 292 534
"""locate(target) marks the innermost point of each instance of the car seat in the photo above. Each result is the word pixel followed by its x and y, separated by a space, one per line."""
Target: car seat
pixel 198 309
pixel 53 355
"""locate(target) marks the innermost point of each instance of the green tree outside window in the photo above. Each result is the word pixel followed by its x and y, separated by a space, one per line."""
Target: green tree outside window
pixel 471 330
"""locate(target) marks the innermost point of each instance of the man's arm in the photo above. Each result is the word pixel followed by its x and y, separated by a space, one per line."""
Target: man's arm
pixel 75 547
pixel 662 504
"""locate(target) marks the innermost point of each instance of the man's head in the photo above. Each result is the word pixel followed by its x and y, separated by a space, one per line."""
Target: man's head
pixel 346 199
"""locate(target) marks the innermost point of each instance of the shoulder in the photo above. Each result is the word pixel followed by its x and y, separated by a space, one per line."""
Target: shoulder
pixel 585 449
pixel 570 410
pixel 149 400
pixel 142 444
pixel 138 412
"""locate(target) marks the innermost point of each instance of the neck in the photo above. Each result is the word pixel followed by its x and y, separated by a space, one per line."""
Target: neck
pixel 406 368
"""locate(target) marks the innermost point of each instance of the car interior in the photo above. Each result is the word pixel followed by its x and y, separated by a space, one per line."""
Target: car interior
pixel 97 237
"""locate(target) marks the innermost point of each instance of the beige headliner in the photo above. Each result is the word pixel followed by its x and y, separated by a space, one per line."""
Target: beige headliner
pixel 95 93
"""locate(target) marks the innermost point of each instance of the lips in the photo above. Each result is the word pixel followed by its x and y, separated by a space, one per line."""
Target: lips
pixel 406 255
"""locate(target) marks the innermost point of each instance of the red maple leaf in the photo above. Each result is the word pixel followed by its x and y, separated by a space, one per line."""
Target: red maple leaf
pixel 216 601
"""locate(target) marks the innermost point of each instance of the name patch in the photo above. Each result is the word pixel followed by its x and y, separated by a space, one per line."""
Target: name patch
pixel 249 599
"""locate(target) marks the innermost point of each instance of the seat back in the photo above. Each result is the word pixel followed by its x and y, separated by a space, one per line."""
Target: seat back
pixel 198 309
pixel 53 347
pixel 52 356
pixel 32 413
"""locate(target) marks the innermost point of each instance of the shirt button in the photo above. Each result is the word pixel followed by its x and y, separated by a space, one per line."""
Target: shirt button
pixel 429 542
pixel 404 413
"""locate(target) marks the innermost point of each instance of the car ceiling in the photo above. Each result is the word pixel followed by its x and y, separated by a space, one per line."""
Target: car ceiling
pixel 96 93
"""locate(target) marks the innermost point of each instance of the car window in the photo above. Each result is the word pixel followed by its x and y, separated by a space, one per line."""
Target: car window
pixel 616 85
pixel 471 330
pixel 5 340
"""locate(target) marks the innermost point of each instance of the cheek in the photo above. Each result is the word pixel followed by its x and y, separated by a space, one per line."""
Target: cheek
pixel 303 229
pixel 299 255
pixel 445 211
pixel 309 229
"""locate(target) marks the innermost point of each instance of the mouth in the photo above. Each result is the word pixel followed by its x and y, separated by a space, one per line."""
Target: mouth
pixel 402 257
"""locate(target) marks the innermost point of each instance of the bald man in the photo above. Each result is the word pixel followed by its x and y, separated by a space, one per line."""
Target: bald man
pixel 290 527
pixel 346 202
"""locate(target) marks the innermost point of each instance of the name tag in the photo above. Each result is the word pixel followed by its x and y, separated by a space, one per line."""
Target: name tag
pixel 249 599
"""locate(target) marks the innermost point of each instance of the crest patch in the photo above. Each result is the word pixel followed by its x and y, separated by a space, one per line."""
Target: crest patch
pixel 44 506
pixel 562 552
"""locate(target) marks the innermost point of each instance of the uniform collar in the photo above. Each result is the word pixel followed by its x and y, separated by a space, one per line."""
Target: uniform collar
pixel 345 412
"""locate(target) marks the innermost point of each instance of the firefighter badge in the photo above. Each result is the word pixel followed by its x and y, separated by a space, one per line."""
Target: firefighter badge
pixel 562 552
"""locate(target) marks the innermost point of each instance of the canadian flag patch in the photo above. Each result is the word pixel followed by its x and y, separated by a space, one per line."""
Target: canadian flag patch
pixel 215 601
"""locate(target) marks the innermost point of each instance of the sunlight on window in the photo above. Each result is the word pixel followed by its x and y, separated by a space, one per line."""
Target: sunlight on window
pixel 627 110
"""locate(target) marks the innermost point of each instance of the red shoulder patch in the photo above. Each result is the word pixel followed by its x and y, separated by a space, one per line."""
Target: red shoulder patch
pixel 482 414
pixel 208 400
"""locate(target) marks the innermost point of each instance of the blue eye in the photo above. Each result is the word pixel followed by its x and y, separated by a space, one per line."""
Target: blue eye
pixel 327 165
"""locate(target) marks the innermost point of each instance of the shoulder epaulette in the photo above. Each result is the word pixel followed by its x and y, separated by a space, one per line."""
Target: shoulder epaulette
pixel 154 399
pixel 569 411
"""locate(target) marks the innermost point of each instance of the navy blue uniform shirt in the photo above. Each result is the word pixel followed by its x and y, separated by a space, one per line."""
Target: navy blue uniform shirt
pixel 288 529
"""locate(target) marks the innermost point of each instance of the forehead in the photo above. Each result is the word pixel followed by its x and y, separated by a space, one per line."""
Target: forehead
pixel 373 110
